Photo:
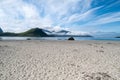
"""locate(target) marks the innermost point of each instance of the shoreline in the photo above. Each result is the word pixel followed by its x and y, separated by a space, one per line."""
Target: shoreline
pixel 61 38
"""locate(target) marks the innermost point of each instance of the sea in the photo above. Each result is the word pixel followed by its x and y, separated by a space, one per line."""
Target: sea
pixel 60 38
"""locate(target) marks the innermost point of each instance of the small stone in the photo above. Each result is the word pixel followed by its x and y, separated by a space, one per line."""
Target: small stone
pixel 28 39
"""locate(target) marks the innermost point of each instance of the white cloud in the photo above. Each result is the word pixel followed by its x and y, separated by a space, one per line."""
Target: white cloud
pixel 21 15
pixel 18 16
pixel 30 11
pixel 2 13
pixel 108 18
pixel 61 10
pixel 55 28
pixel 82 17
pixel 117 2
pixel 104 19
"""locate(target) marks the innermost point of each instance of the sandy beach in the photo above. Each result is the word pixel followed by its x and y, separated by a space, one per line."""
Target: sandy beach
pixel 59 60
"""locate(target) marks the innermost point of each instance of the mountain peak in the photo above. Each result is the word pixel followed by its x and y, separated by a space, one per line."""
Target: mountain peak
pixel 34 32
pixel 1 31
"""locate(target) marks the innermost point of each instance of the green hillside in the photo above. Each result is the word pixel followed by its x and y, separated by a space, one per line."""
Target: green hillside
pixel 34 32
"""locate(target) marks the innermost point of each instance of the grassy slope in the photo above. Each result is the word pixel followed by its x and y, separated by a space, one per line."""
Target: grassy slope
pixel 35 32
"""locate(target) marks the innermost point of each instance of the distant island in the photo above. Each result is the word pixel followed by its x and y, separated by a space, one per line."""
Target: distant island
pixel 117 37
pixel 38 32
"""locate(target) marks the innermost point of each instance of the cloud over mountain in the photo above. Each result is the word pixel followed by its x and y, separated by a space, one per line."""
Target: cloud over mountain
pixel 21 15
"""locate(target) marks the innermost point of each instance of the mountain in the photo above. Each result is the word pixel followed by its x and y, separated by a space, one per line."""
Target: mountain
pixel 66 33
pixel 34 32
pixel 1 31
pixel 63 31
pixel 52 32
pixel 8 34
pixel 37 32
pixel 47 31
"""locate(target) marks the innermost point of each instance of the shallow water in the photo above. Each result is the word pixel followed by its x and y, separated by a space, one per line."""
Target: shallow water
pixel 59 38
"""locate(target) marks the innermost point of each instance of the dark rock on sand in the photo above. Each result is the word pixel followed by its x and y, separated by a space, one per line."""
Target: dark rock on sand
pixel 71 38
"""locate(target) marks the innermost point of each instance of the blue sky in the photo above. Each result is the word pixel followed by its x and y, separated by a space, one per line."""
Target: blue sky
pixel 75 15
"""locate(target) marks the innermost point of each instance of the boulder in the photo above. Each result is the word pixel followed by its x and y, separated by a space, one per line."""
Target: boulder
pixel 71 38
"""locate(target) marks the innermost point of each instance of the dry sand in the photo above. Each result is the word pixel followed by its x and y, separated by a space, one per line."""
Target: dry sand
pixel 59 60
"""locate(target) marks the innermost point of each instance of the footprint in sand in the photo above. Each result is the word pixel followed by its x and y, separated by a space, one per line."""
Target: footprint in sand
pixel 97 76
